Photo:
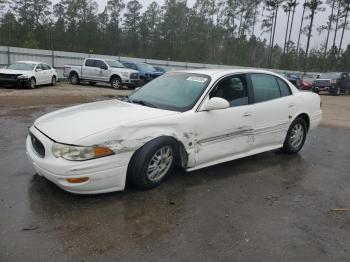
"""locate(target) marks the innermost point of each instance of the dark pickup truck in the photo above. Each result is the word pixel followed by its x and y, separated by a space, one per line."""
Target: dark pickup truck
pixel 334 83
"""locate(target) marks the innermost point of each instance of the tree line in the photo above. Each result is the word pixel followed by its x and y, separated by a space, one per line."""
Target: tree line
pixel 212 31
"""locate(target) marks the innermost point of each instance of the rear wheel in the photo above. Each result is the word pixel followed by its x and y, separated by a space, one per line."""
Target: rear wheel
pixel 74 79
pixel 152 163
pixel 296 136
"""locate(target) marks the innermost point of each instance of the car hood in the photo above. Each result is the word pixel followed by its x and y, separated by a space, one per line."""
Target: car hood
pixel 127 70
pixel 14 72
pixel 75 123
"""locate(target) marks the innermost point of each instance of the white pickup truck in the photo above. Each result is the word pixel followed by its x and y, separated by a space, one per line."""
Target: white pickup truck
pixel 102 70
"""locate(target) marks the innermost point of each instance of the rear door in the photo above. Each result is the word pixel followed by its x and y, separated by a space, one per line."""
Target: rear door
pixel 89 69
pixel 274 109
pixel 40 74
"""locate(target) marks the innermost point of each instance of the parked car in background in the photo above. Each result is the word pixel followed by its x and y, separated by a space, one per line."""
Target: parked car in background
pixel 294 78
pixel 28 74
pixel 192 119
pixel 102 70
pixel 335 83
pixel 306 82
pixel 160 69
pixel 146 71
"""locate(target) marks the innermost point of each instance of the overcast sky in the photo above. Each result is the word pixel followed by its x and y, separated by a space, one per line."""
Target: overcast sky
pixel 316 40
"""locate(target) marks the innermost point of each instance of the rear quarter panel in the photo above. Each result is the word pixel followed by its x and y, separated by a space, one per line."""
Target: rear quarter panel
pixel 310 104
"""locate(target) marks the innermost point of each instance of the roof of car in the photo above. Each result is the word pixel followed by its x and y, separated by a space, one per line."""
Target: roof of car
pixel 219 71
pixel 30 62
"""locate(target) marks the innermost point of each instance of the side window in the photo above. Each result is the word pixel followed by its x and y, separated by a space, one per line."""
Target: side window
pixel 90 63
pixel 284 88
pixel 265 87
pixel 45 67
pixel 234 89
pixel 100 63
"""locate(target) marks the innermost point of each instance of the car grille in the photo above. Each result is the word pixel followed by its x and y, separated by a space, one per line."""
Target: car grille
pixel 322 82
pixel 37 145
pixel 8 77
pixel 134 76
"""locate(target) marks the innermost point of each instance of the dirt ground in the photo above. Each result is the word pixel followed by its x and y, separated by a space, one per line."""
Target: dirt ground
pixel 268 207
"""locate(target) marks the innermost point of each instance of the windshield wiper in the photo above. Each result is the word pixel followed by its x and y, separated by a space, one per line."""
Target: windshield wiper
pixel 141 102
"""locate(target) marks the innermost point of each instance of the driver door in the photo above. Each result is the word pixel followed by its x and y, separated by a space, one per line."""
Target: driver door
pixel 225 133
pixel 40 74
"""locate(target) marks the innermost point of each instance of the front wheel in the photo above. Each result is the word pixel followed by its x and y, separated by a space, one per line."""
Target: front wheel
pixel 53 81
pixel 116 83
pixel 296 136
pixel 337 91
pixel 32 83
pixel 152 163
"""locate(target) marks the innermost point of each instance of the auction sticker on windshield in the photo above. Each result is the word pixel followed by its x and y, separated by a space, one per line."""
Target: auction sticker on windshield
pixel 197 79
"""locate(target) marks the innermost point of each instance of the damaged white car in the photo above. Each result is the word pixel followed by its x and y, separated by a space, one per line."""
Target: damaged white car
pixel 192 119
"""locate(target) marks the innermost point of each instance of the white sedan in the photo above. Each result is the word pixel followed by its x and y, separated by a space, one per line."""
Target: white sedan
pixel 28 74
pixel 192 119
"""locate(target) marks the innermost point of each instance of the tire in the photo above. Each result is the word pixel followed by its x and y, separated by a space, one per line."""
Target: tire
pixel 152 163
pixel 32 83
pixel 337 91
pixel 296 136
pixel 116 83
pixel 53 81
pixel 92 83
pixel 74 79
pixel 142 82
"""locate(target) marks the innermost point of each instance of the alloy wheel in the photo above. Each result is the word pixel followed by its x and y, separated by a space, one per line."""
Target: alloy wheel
pixel 160 163
pixel 297 136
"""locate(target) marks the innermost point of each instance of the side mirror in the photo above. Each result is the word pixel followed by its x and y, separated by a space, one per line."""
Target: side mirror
pixel 104 67
pixel 38 70
pixel 215 103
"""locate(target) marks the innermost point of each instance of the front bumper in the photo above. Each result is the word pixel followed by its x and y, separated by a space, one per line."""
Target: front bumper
pixel 105 174
pixel 14 82
pixel 131 82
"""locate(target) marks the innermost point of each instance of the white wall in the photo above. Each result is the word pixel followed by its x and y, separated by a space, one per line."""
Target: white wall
pixel 58 58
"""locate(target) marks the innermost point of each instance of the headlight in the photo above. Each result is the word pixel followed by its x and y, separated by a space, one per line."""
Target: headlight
pixel 125 74
pixel 22 77
pixel 80 153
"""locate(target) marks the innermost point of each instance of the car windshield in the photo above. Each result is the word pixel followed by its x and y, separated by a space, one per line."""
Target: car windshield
pixel 330 76
pixel 147 67
pixel 22 66
pixel 172 91
pixel 114 64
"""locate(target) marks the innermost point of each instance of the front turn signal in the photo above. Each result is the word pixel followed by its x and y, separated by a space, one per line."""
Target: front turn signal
pixel 77 180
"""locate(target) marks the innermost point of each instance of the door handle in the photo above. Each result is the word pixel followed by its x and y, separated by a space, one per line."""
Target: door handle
pixel 291 105
pixel 247 114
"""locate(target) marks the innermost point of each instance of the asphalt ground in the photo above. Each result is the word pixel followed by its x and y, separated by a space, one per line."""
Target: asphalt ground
pixel 268 207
